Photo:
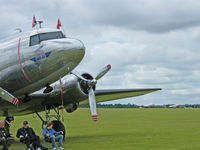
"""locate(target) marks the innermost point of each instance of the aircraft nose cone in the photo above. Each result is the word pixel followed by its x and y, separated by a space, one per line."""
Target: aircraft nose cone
pixel 79 45
pixel 64 53
pixel 75 49
pixel 71 49
pixel 69 45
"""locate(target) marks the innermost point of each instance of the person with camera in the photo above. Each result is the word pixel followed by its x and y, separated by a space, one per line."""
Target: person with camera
pixel 28 136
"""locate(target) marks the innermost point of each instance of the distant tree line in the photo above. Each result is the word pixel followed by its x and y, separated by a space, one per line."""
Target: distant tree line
pixel 113 106
pixel 142 106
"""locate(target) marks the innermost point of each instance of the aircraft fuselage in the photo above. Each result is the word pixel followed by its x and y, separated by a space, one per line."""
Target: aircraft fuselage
pixel 31 61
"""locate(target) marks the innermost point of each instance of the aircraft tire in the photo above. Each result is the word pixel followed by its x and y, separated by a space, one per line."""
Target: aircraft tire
pixel 58 126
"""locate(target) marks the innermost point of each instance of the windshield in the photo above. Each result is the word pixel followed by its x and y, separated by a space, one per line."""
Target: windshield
pixel 36 39
pixel 50 36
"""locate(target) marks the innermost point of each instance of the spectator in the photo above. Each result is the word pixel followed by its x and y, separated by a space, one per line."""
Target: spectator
pixel 8 122
pixel 51 135
pixel 28 136
pixel 5 137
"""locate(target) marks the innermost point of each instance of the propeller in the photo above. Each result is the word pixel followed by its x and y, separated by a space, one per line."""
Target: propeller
pixel 91 83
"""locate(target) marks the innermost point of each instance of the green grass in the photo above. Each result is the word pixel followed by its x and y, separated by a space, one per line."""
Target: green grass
pixel 126 129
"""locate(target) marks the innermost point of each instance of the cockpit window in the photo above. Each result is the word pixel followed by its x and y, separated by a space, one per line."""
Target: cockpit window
pixel 50 36
pixel 36 39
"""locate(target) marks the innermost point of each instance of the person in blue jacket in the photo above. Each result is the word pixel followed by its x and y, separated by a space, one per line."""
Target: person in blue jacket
pixel 52 136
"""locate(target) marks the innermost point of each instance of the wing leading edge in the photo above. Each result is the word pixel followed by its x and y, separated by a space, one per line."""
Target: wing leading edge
pixel 114 94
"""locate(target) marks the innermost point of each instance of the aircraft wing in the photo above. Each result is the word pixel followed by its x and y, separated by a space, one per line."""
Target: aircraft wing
pixel 38 99
pixel 114 94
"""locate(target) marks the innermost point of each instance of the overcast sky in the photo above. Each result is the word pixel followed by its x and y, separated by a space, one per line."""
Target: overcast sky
pixel 149 43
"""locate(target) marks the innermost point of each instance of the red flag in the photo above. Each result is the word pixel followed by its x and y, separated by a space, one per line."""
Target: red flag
pixel 59 24
pixel 34 23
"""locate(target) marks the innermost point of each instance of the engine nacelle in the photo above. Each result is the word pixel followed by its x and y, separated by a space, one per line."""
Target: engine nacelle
pixel 75 89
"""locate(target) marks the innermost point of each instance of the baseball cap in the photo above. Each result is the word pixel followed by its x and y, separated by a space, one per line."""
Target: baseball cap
pixel 25 122
pixel 9 119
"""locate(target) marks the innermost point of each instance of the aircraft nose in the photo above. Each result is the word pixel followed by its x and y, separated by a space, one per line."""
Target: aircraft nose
pixel 62 53
pixel 78 45
pixel 73 49
pixel 69 45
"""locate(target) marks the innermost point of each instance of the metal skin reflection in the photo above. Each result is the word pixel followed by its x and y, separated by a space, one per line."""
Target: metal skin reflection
pixel 25 69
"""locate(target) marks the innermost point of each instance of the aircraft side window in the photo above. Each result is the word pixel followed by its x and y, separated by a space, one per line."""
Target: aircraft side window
pixel 34 40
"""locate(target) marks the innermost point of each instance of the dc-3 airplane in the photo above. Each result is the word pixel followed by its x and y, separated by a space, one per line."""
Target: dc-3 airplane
pixel 37 74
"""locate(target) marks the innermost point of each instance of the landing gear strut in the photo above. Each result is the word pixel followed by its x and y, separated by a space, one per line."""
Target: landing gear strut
pixel 57 124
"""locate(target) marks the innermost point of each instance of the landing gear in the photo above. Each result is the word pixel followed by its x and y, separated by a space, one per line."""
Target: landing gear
pixel 57 124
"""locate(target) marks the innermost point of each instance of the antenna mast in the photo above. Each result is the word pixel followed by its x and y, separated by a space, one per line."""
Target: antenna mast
pixel 40 24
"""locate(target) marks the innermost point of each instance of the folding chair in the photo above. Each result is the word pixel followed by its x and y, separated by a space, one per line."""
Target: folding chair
pixel 48 144
pixel 24 147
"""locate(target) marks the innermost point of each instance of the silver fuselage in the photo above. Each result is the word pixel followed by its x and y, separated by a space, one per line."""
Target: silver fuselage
pixel 25 69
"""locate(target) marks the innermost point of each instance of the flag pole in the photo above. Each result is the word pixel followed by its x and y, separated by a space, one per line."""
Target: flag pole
pixel 63 30
pixel 62 27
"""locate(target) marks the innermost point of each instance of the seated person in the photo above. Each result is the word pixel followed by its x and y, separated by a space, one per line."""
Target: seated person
pixel 51 135
pixel 7 124
pixel 28 136
pixel 5 138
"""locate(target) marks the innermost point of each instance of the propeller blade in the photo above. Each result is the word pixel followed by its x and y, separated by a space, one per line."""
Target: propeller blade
pixel 76 73
pixel 103 72
pixel 92 103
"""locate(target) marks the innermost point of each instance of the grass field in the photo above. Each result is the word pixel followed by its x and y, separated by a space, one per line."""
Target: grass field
pixel 126 129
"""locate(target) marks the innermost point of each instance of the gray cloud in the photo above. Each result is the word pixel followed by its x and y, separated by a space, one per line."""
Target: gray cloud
pixel 151 16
